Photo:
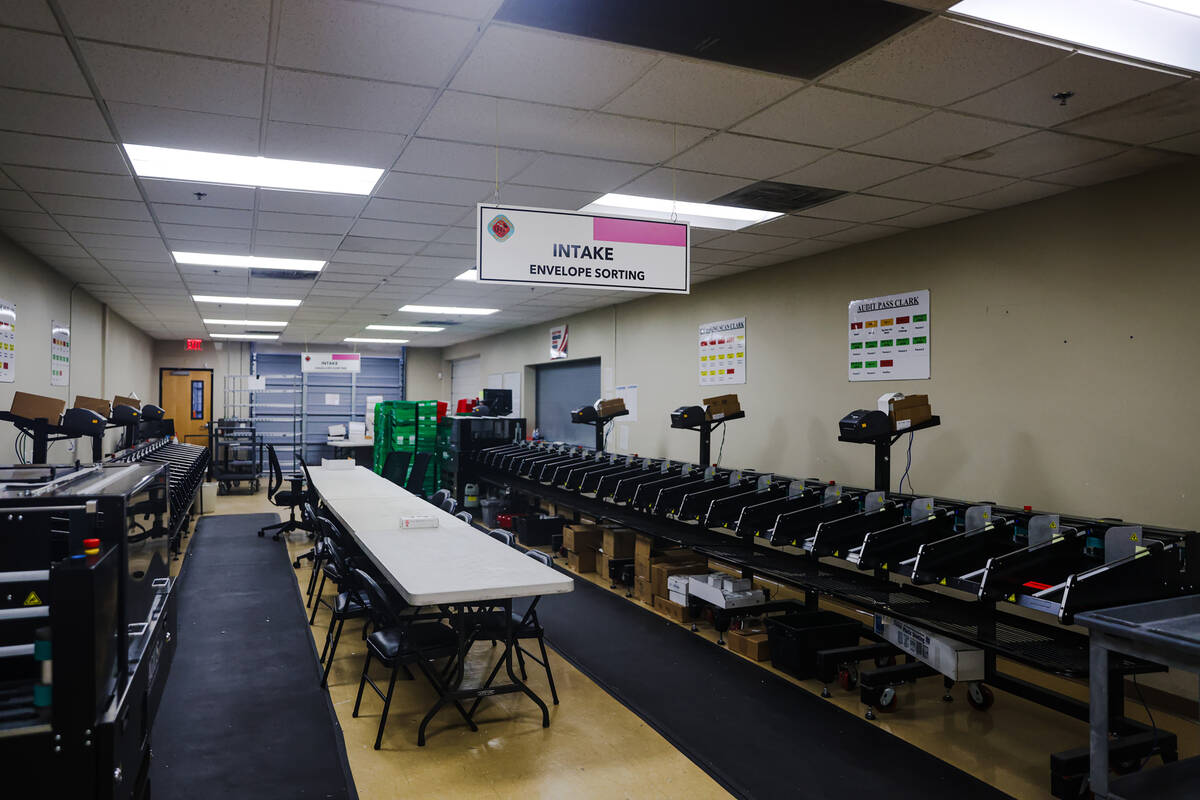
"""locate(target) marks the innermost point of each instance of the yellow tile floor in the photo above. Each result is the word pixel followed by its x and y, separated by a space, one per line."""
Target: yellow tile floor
pixel 596 748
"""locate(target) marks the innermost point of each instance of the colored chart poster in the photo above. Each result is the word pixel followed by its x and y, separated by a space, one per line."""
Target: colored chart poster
pixel 558 341
pixel 8 342
pixel 60 353
pixel 889 337
pixel 723 352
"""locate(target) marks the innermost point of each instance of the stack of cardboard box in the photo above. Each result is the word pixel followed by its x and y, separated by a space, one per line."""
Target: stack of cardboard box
pixel 617 545
pixel 722 406
pixel 666 566
pixel 608 408
pixel 583 546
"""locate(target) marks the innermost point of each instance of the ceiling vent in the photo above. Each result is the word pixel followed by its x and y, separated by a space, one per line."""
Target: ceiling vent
pixel 284 274
pixel 784 198
pixel 443 322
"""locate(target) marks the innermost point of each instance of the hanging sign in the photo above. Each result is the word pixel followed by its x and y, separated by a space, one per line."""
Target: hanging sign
pixel 558 341
pixel 889 337
pixel 330 362
pixel 60 353
pixel 541 246
pixel 8 342
pixel 723 352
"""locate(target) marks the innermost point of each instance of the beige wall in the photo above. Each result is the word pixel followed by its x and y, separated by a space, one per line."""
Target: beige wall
pixel 1062 357
pixel 232 359
pixel 109 356
pixel 421 381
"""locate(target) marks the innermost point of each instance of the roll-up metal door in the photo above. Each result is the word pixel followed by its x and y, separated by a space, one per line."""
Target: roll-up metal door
pixel 561 388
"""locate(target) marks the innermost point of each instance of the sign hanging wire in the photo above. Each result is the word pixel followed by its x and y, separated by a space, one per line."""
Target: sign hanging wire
pixel 674 170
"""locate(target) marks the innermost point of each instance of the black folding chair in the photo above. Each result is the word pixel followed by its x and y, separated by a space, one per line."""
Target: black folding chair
pixel 395 466
pixel 465 516
pixel 290 498
pixel 439 497
pixel 351 603
pixel 416 476
pixel 398 642
pixel 450 505
pixel 501 535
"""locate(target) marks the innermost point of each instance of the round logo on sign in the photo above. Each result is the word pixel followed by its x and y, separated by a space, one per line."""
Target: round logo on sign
pixel 501 227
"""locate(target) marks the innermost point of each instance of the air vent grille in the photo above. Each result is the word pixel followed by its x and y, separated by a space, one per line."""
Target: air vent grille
pixel 784 198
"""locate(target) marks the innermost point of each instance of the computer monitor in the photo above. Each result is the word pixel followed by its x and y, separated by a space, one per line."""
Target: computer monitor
pixel 498 401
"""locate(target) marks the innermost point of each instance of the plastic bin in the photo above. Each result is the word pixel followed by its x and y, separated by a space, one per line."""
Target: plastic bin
pixel 490 508
pixel 537 529
pixel 795 639
pixel 208 498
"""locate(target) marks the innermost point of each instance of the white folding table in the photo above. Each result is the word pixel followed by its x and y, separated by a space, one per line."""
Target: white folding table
pixel 454 566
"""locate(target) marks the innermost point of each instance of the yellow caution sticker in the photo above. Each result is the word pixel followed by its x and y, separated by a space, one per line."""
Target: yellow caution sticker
pixel 942 581
pixel 32 599
pixel 1012 598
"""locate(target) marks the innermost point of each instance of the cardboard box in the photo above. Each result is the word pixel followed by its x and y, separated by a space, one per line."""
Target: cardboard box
pixel 675 611
pixel 722 405
pixel 908 411
pixel 36 406
pixel 643 548
pixel 618 542
pixel 583 561
pixel 728 570
pixel 602 565
pixel 127 401
pixel 641 590
pixel 677 585
pixel 614 405
pixel 661 572
pixel 750 642
pixel 678 597
pixel 101 407
pixel 954 659
pixel 581 538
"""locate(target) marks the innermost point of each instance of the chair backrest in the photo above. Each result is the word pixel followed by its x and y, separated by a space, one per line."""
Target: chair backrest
pixel 382 611
pixel 395 466
pixel 310 491
pixel 343 565
pixel 502 536
pixel 307 512
pixel 538 555
pixel 276 478
pixel 416 476
pixel 439 497
pixel 465 516
pixel 450 505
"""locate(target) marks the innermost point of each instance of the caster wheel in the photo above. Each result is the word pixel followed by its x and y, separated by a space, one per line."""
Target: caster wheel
pixel 825 692
pixel 980 697
pixel 695 628
pixel 885 661
pixel 296 564
pixel 260 534
pixel 870 714
pixel 887 700
pixel 848 677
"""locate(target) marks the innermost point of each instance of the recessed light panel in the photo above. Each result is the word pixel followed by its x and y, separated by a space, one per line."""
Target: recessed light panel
pixel 266 173
pixel 245 301
pixel 466 310
pixel 700 215
pixel 249 262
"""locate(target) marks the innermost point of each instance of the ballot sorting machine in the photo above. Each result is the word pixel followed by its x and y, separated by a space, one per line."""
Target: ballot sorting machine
pixel 87 624
pixel 951 585
pixel 186 466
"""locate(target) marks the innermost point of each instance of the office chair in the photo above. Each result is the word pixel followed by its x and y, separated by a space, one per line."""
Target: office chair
pixel 465 516
pixel 439 497
pixel 395 466
pixel 450 505
pixel 397 643
pixel 290 498
pixel 351 603
pixel 501 535
pixel 416 476
pixel 524 627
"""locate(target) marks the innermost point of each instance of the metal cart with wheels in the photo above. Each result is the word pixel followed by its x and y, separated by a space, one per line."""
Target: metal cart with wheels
pixel 236 455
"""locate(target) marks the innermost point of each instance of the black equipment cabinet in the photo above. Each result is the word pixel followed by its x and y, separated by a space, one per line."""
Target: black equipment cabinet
pixel 469 436
pixel 236 455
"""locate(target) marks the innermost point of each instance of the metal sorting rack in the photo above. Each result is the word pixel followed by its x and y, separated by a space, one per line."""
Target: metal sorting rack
pixel 186 466
pixel 965 564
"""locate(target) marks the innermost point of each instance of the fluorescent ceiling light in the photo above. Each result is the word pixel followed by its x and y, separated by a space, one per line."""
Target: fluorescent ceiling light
pixel 249 262
pixel 268 173
pixel 1158 31
pixel 249 323
pixel 412 328
pixel 702 215
pixel 374 341
pixel 449 310
pixel 245 301
pixel 469 275
pixel 244 335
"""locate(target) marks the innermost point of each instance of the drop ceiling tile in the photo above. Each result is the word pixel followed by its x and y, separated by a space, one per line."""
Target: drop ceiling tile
pixel 362 244
pixel 373 271
pixel 861 208
pixel 458 236
pixel 174 81
pixel 682 184
pixel 849 171
pixel 700 93
pixel 95 225
pixel 746 156
pixel 303 223
pixel 863 233
pixel 139 244
pixel 54 181
pixel 35 15
pixel 969 60
pixel 233 30
pixel 58 115
pixel 799 227
pixel 942 136
pixel 442 263
pixel 537 65
pixel 1011 195
pixel 381 229
pixel 347 254
pixel 931 215
pixel 408 211
pixel 5 182
pixel 939 184
pixel 371 41
pixel 36 235
pixel 26 149
pixel 626 139
pixel 707 255
pixel 572 172
pixel 749 242
pixel 332 145
pixel 492 122
pixel 39 62
pixel 459 160
pixel 1122 165
pixel 443 250
pixel 202 215
pixel 538 197
pixel 408 186
pixel 92 207
pixel 16 200
pixel 318 241
pixel 1164 114
pixel 830 118
pixel 332 101
pixel 48 250
pixel 186 130
pixel 1042 152
pixel 333 205
pixel 1183 144
pixel 1097 83
pixel 184 193
pixel 204 233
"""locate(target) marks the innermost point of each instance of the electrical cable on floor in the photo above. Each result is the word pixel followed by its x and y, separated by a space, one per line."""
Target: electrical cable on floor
pixel 907 467
pixel 722 449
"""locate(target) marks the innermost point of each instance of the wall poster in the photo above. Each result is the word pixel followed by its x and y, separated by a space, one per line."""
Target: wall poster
pixel 8 341
pixel 60 353
pixel 558 341
pixel 889 337
pixel 723 352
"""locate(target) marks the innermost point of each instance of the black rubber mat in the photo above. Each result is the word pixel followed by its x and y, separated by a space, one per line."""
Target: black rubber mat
pixel 242 715
pixel 757 734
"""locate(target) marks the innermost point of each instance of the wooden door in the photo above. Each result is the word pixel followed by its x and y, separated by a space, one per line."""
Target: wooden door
pixel 187 399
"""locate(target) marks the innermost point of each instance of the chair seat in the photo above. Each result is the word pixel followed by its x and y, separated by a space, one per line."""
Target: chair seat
pixel 287 498
pixel 331 572
pixel 419 639
pixel 351 604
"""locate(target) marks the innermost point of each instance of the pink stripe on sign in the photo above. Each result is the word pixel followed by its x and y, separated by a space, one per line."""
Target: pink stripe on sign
pixel 636 231
pixel 345 356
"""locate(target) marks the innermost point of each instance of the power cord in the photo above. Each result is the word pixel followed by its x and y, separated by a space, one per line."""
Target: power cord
pixel 908 467
pixel 722 448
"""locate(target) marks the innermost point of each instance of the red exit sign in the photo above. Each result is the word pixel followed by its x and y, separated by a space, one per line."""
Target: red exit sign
pixel 195 344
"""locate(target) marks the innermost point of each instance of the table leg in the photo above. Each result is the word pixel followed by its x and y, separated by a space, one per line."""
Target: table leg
pixel 1098 700
pixel 509 643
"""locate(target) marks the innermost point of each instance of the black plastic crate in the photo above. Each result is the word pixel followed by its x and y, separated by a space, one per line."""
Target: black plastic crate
pixel 796 638
pixel 535 530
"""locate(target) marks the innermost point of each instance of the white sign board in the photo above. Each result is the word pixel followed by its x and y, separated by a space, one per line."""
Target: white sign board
pixel 630 395
pixel 558 341
pixel 889 337
pixel 330 362
pixel 8 342
pixel 60 353
pixel 541 246
pixel 722 352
